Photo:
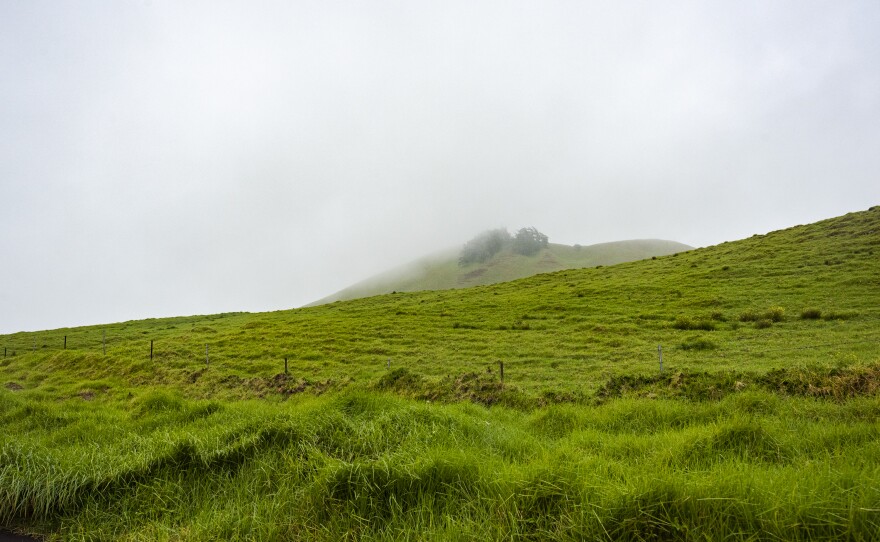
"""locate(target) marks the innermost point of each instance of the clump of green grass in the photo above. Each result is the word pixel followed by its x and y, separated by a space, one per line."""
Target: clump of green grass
pixel 686 323
pixel 749 316
pixel 773 314
pixel 740 439
pixel 763 323
pixel 839 315
pixel 811 314
pixel 718 316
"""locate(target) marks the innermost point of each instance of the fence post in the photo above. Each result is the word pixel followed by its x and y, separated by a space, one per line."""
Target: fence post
pixel 65 342
pixel 660 354
pixel 388 366
pixel 206 354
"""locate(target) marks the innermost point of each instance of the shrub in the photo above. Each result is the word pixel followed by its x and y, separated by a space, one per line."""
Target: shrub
pixel 685 323
pixel 749 316
pixel 775 314
pixel 158 401
pixel 401 379
pixel 484 246
pixel 763 323
pixel 811 314
pixel 528 241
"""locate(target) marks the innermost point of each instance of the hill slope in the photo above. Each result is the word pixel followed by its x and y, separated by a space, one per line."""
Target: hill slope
pixel 588 324
pixel 441 271
pixel 761 426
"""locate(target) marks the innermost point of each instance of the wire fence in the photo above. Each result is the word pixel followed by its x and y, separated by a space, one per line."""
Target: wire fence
pixel 192 351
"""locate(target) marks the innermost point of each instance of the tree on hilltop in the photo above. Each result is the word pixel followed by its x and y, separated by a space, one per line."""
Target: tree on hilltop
pixel 528 241
pixel 484 246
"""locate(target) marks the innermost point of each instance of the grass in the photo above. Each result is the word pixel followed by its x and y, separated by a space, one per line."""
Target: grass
pixel 369 465
pixel 393 422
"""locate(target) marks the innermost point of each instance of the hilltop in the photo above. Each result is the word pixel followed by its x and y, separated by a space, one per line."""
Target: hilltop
pixel 442 271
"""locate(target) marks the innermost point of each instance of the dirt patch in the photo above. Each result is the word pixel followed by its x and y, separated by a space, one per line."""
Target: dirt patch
pixel 86 395
pixel 6 536
pixel 476 273
pixel 13 386
pixel 194 376
pixel 549 261
pixel 284 384
pixel 477 387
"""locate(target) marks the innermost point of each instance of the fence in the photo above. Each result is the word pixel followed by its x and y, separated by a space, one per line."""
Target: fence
pixel 30 343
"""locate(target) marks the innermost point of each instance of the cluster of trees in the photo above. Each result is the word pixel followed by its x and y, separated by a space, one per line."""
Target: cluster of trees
pixel 527 241
pixel 484 246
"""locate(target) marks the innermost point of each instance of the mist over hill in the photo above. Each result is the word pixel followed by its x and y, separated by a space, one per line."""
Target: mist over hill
pixel 443 270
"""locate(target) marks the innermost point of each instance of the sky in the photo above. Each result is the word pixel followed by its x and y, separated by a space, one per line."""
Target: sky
pixel 167 158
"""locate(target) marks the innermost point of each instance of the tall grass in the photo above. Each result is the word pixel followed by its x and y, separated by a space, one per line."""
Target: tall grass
pixel 372 466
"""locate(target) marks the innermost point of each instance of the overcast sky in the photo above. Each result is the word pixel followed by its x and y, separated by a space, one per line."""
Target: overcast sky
pixel 162 158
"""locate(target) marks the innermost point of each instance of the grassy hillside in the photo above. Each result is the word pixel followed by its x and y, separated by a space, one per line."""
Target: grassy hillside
pixel 393 423
pixel 441 271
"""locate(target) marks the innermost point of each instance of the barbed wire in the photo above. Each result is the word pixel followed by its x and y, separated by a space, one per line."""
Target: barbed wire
pixel 102 343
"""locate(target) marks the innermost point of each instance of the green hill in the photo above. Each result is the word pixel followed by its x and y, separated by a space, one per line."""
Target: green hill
pixel 392 421
pixel 441 271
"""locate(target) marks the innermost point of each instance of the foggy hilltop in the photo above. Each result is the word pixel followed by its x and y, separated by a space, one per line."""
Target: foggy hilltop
pixel 497 256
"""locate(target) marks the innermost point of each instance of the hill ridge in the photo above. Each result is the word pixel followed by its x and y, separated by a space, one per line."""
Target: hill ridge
pixel 441 271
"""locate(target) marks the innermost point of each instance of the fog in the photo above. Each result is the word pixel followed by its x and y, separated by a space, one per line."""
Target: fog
pixel 174 158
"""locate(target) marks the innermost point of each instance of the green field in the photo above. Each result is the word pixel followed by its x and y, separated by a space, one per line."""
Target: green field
pixel 393 423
